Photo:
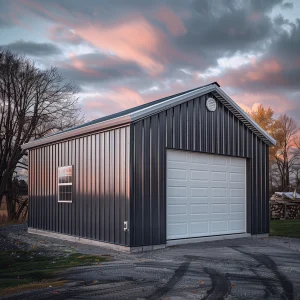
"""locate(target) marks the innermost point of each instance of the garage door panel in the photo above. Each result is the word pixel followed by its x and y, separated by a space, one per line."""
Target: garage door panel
pixel 176 200
pixel 218 160
pixel 199 201
pixel 220 185
pixel 199 209
pixel 237 186
pixel 174 157
pixel 217 176
pixel 237 170
pixel 220 208
pixel 199 160
pixel 217 169
pixel 237 162
pixel 236 225
pixel 205 194
pixel 176 209
pixel 178 230
pixel 198 184
pixel 218 192
pixel 236 178
pixel 199 192
pixel 177 173
pixel 199 229
pixel 237 193
pixel 219 227
pixel 177 183
pixel 237 208
pixel 202 175
pixel 177 191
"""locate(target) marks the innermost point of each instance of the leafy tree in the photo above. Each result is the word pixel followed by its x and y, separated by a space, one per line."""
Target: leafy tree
pixel 33 103
pixel 264 117
pixel 284 156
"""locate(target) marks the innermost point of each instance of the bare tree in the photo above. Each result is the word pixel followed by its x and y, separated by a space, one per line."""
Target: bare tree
pixel 33 103
pixel 287 154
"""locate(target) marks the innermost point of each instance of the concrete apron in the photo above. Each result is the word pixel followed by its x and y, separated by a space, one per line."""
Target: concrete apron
pixel 141 248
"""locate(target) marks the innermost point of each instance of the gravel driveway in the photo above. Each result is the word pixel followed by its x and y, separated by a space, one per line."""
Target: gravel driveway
pixel 250 268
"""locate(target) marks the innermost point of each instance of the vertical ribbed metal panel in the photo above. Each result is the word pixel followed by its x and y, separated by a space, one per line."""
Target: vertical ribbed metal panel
pixel 101 186
pixel 190 126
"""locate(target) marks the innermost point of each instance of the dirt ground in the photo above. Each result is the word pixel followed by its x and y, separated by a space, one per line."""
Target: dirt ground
pixel 247 268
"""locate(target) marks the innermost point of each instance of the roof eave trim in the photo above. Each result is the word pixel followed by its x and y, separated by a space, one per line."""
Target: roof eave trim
pixel 79 131
pixel 153 109
pixel 271 140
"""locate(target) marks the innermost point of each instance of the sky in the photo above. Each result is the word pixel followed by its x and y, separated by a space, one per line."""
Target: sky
pixel 125 53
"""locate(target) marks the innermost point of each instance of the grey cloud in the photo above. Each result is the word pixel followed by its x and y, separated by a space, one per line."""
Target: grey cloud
pixel 287 5
pixel 216 31
pixel 285 50
pixel 32 48
pixel 62 34
pixel 99 68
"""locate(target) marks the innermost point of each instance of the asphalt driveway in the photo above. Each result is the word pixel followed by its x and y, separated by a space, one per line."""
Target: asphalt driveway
pixel 248 268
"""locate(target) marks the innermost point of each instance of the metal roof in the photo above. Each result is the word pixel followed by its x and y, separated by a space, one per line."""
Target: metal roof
pixel 144 110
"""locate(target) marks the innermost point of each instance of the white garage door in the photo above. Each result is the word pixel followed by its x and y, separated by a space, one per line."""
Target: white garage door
pixel 205 194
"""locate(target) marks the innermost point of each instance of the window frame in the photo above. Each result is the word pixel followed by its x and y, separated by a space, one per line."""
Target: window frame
pixel 64 184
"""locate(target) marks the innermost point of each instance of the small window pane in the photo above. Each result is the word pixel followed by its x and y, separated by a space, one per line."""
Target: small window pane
pixel 68 171
pixel 68 188
pixel 65 183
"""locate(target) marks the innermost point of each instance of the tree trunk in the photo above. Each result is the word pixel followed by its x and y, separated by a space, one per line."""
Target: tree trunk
pixel 10 201
pixel 11 209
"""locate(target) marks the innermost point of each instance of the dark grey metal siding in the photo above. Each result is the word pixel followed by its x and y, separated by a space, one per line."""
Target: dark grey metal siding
pixel 101 186
pixel 190 126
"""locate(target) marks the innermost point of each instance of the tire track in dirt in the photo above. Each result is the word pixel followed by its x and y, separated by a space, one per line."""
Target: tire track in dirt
pixel 221 286
pixel 177 276
pixel 266 261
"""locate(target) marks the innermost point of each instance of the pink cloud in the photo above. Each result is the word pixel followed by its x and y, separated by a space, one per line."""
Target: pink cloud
pixel 120 98
pixel 173 23
pixel 134 40
pixel 258 71
pixel 249 101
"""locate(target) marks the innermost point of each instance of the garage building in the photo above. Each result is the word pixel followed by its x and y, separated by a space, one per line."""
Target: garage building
pixel 180 169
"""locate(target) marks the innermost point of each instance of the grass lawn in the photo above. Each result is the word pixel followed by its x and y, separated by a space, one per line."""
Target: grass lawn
pixel 288 228
pixel 25 270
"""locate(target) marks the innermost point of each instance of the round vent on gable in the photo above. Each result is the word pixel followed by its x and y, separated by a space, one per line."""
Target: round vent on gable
pixel 211 104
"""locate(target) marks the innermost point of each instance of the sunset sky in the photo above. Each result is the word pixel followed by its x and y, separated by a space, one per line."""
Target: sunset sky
pixel 125 53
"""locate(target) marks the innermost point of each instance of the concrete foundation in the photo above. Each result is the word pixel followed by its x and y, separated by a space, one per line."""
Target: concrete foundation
pixel 79 240
pixel 142 248
pixel 207 239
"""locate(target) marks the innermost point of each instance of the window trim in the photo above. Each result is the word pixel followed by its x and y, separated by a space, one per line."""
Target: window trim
pixel 64 184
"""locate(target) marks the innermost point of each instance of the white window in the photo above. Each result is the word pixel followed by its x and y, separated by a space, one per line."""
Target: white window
pixel 65 178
